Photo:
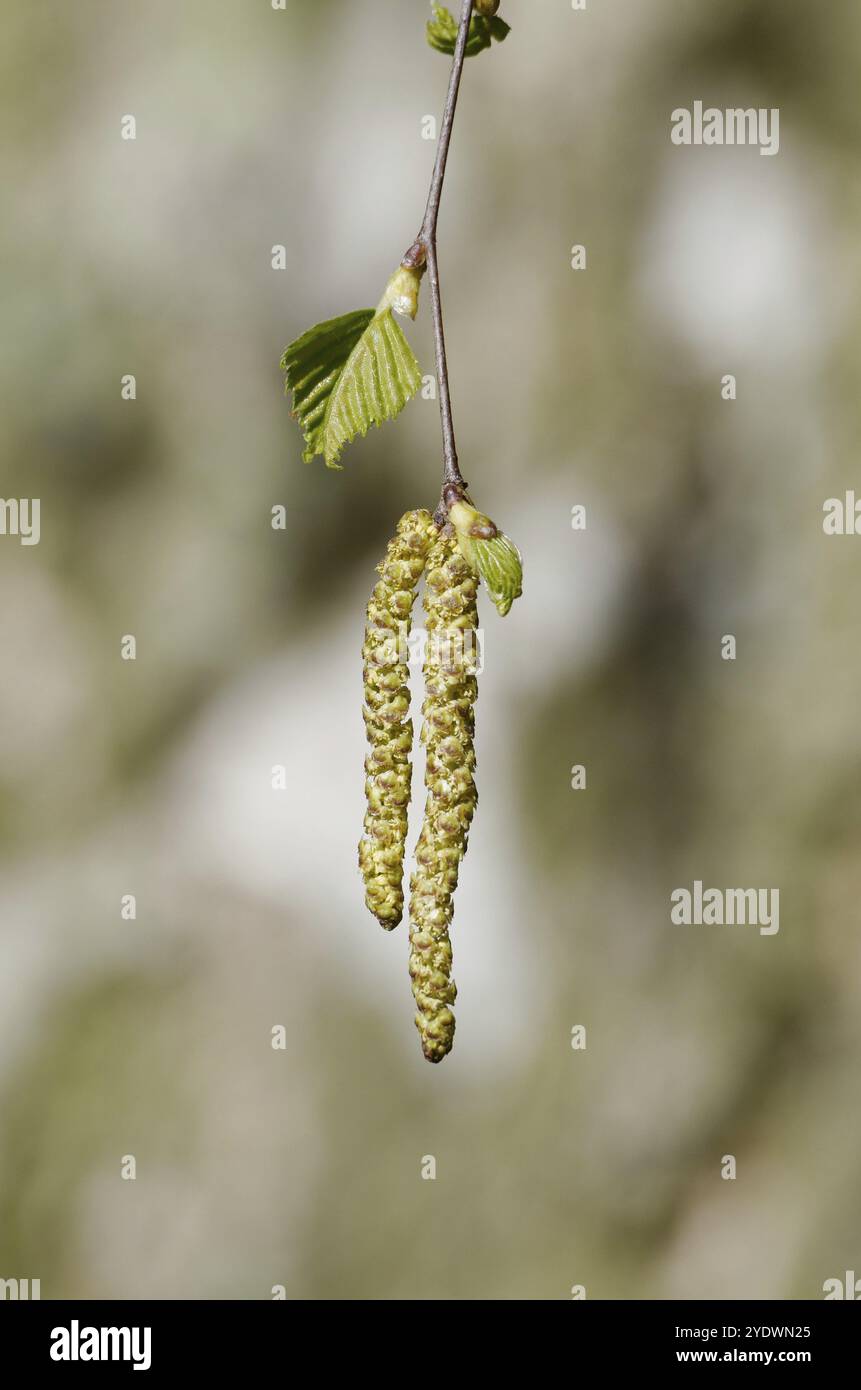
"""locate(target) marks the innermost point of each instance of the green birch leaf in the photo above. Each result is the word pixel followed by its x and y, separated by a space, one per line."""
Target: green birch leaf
pixel 442 32
pixel 353 372
pixel 490 554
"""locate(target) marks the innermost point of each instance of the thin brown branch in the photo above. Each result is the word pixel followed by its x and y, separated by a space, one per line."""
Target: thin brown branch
pixel 424 252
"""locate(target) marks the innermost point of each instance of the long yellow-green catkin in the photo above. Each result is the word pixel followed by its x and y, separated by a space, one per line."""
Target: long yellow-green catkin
pixel 387 716
pixel 449 725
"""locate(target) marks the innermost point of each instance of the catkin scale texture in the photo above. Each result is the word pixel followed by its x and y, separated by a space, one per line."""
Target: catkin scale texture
pixel 448 731
pixel 387 716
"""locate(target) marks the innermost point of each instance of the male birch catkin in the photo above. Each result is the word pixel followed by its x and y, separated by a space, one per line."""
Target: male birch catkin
pixel 449 726
pixel 388 724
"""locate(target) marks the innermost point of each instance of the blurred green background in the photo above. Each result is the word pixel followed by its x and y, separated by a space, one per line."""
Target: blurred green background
pixel 600 387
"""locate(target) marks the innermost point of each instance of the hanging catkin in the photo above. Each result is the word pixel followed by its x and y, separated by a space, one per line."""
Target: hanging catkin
pixel 387 716
pixel 449 724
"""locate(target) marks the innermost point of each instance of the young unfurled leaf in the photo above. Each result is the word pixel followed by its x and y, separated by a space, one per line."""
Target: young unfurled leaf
pixel 490 553
pixel 353 372
pixel 442 32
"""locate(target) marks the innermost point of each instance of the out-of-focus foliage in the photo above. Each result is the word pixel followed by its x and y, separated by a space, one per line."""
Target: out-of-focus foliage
pixel 600 387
